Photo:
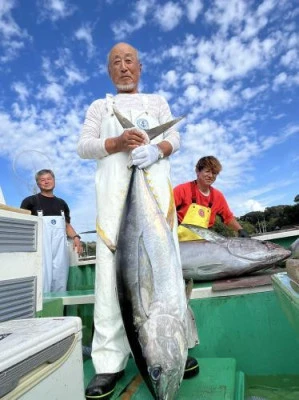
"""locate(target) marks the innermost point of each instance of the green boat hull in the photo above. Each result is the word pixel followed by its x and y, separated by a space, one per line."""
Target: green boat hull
pixel 244 335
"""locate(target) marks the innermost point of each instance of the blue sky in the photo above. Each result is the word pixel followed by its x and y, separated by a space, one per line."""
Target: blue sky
pixel 230 66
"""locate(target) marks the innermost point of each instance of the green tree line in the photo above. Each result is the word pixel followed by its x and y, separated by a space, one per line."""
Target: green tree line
pixel 273 218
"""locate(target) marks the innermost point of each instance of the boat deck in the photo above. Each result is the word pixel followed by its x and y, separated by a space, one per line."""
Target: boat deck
pixel 243 334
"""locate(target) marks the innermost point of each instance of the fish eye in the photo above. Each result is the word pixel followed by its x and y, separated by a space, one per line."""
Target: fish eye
pixel 155 372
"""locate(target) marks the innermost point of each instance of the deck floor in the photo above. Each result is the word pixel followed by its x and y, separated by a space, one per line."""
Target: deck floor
pixel 216 381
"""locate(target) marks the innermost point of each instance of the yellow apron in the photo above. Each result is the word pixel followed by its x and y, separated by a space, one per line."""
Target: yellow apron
pixel 196 215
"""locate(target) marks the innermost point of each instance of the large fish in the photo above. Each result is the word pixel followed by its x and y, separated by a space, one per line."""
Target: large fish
pixel 295 248
pixel 151 290
pixel 219 257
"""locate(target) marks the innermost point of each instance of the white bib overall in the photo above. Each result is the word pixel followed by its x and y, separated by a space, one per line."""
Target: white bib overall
pixel 110 348
pixel 55 254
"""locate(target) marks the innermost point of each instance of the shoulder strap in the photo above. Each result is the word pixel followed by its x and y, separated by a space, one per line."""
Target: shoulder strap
pixel 109 102
pixel 193 191
pixel 144 99
pixel 39 207
pixel 211 197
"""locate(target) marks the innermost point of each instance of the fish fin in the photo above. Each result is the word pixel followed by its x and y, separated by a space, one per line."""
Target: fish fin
pixel 188 288
pixel 125 123
pixel 206 234
pixel 192 331
pixel 171 209
pixel 151 187
pixel 104 237
pixel 158 130
pixel 145 278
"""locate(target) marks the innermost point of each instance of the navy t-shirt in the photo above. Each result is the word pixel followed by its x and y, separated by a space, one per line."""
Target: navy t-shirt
pixel 49 205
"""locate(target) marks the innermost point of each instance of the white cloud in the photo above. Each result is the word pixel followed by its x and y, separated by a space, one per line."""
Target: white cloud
pixel 63 69
pixel 279 116
pixel 284 79
pixel 227 14
pixel 192 94
pixel 170 78
pixel 74 75
pixel 253 26
pixel 45 134
pixel 135 21
pixel 56 9
pixel 53 92
pixel 266 195
pixel 212 98
pixel 222 59
pixel 220 99
pixel 85 34
pixel 204 64
pixel 279 80
pixel 189 78
pixel 194 8
pixel 47 69
pixel 251 92
pixel 290 59
pixel 290 130
pixel 253 205
pixel 21 89
pixel 12 37
pixel 266 7
pixel 168 16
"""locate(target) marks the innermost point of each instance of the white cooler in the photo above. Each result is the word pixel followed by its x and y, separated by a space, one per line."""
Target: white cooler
pixel 41 359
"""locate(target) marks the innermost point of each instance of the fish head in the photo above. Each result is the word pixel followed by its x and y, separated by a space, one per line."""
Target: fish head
pixel 164 347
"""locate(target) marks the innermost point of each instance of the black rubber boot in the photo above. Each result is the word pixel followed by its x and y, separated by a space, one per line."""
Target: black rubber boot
pixel 102 386
pixel 191 368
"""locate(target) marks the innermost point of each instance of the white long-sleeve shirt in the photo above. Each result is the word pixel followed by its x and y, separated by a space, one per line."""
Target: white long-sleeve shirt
pixel 92 146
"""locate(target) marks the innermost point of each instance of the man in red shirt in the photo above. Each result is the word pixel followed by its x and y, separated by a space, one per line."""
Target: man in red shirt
pixel 198 203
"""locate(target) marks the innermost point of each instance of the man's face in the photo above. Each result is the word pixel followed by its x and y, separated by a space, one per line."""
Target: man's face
pixel 206 176
pixel 124 68
pixel 46 182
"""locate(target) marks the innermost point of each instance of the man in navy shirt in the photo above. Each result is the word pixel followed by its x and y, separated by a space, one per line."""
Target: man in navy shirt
pixel 56 228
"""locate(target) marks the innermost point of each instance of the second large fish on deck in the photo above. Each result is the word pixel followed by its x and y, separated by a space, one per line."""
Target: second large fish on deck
pixel 151 290
pixel 219 257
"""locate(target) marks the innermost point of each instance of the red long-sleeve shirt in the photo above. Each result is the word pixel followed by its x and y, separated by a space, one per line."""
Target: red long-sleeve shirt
pixel 215 200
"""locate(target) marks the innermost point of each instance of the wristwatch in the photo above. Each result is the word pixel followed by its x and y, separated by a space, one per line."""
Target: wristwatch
pixel 78 236
pixel 160 153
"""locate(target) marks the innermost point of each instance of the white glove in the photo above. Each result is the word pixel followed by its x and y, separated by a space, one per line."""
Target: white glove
pixel 144 156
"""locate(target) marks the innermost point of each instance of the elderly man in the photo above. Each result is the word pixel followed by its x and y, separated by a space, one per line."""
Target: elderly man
pixel 198 202
pixel 103 139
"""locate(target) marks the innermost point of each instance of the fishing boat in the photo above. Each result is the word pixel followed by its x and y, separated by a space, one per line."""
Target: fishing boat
pixel 248 329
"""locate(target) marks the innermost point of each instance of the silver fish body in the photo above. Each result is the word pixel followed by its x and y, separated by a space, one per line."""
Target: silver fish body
pixel 295 248
pixel 219 257
pixel 151 291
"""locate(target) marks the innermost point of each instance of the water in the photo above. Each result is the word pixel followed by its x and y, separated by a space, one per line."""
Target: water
pixel 282 387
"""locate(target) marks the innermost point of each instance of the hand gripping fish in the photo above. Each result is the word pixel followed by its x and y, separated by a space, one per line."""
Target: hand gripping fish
pixel 151 290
